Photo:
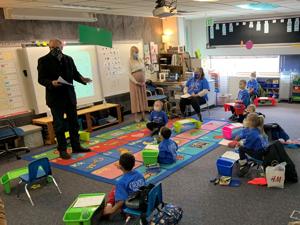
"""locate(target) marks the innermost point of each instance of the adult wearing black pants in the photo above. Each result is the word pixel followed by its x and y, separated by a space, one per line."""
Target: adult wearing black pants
pixel 61 98
pixel 195 93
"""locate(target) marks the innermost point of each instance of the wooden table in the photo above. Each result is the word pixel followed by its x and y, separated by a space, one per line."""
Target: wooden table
pixel 48 121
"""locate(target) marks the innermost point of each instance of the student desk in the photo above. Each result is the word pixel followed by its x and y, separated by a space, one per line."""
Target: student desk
pixel 48 121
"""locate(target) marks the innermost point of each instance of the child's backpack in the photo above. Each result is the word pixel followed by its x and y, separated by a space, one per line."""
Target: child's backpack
pixel 169 214
pixel 139 200
pixel 277 153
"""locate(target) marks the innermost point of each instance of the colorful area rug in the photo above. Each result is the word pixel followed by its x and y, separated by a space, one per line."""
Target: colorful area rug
pixel 100 163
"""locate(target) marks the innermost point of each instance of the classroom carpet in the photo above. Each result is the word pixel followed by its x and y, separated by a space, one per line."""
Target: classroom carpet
pixel 101 163
pixel 203 203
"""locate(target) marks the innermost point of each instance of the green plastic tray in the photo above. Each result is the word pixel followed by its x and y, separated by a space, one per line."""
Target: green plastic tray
pixel 82 216
pixel 12 175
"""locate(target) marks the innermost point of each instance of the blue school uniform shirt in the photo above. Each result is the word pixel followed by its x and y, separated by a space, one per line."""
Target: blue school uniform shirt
pixel 128 184
pixel 196 85
pixel 159 117
pixel 167 151
pixel 253 84
pixel 253 139
pixel 244 96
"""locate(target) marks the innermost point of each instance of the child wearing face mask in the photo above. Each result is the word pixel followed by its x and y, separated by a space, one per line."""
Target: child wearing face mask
pixel 254 142
pixel 158 118
pixel 253 86
pixel 243 98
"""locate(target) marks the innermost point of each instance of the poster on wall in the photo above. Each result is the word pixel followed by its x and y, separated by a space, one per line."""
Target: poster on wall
pixel 224 29
pixel 153 52
pixel 266 27
pixel 147 57
pixel 296 25
pixel 211 32
pixel 258 26
pixel 230 27
pixel 289 26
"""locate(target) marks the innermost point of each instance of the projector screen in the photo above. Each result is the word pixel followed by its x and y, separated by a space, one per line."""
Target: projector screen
pixel 85 59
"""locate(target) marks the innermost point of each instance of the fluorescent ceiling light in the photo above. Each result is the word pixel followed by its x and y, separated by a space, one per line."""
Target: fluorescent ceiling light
pixel 261 6
pixel 78 7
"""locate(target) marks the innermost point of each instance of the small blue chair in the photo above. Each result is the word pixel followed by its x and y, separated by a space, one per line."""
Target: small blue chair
pixel 37 170
pixel 154 200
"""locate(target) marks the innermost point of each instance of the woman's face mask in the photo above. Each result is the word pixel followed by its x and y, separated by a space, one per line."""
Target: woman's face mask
pixel 157 108
pixel 196 75
pixel 136 55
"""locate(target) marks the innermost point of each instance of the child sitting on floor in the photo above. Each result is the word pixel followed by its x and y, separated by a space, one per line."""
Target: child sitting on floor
pixel 158 118
pixel 128 184
pixel 243 98
pixel 167 148
pixel 250 109
pixel 254 141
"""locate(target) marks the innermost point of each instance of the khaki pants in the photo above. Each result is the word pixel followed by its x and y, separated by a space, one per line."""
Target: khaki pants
pixel 2 214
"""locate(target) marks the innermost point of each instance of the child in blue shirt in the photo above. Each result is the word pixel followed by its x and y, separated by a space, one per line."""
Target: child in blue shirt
pixel 243 98
pixel 167 148
pixel 128 184
pixel 253 86
pixel 254 141
pixel 158 118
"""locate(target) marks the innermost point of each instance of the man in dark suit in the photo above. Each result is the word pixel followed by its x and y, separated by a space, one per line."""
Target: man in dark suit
pixel 61 98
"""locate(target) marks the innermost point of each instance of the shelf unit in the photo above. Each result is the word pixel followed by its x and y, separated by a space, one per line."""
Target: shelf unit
pixel 296 89
pixel 270 85
pixel 181 66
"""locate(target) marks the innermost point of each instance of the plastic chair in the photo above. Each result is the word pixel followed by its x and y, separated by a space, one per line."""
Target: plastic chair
pixel 154 200
pixel 9 133
pixel 37 170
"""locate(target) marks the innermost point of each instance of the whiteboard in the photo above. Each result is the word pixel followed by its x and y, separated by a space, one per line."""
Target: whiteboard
pixel 85 58
pixel 116 81
pixel 13 96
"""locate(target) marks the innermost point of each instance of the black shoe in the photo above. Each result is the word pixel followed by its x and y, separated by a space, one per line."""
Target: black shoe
pixel 155 132
pixel 200 117
pixel 80 150
pixel 244 170
pixel 64 155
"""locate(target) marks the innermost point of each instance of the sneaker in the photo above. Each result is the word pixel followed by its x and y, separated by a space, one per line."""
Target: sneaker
pixel 80 150
pixel 64 155
pixel 243 170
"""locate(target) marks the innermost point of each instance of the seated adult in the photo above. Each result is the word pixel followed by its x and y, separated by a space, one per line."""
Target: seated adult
pixel 195 92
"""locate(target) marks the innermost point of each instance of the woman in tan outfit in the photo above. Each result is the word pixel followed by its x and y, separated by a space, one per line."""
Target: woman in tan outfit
pixel 137 86
pixel 2 214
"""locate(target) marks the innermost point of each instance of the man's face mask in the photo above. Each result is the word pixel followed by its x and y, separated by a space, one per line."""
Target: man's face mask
pixel 56 52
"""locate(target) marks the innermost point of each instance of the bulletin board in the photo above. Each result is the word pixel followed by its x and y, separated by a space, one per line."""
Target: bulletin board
pixel 259 32
pixel 13 97
pixel 114 66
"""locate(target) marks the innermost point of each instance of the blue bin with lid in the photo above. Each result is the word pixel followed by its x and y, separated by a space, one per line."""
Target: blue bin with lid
pixel 225 166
